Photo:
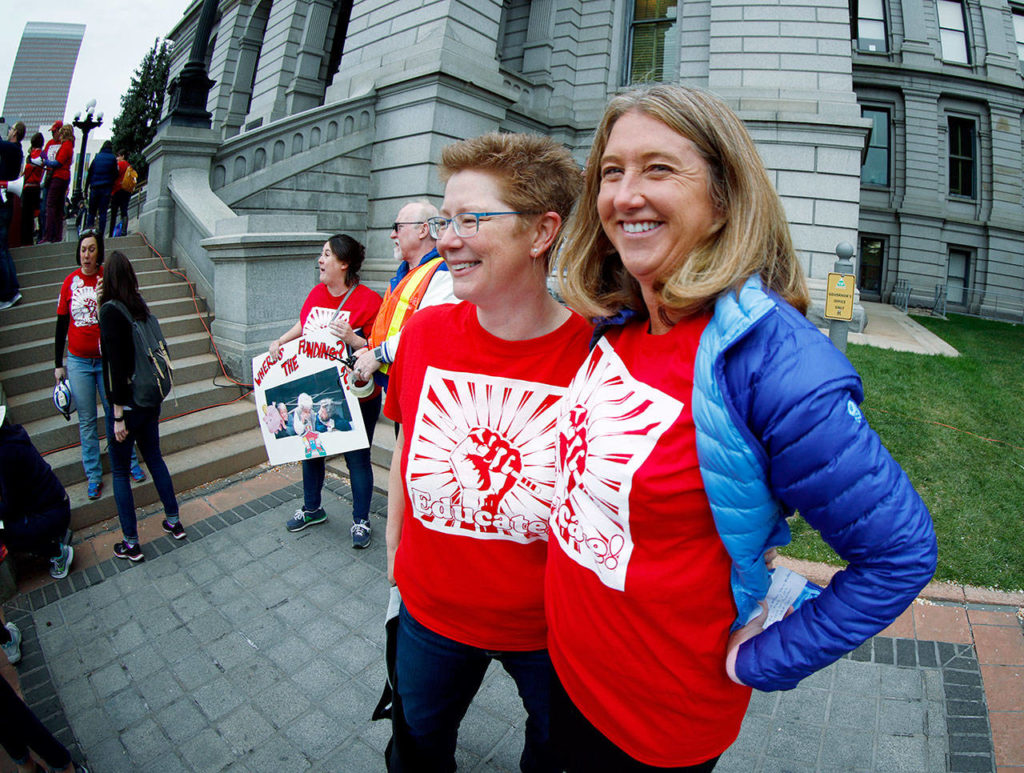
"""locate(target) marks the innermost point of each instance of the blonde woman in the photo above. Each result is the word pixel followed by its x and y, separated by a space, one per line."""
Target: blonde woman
pixel 708 411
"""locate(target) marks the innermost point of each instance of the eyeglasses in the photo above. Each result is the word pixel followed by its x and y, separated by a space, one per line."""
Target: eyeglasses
pixel 88 232
pixel 396 226
pixel 466 224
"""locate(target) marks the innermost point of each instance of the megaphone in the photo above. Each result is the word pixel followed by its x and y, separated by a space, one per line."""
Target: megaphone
pixel 11 187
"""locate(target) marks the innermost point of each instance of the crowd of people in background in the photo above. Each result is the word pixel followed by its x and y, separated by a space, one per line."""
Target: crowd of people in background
pixel 613 471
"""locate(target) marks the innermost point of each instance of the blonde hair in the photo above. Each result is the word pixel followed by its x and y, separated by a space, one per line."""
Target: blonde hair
pixel 535 173
pixel 66 132
pixel 753 239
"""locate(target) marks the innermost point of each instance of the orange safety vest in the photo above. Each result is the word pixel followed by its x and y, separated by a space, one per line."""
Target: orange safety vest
pixel 399 304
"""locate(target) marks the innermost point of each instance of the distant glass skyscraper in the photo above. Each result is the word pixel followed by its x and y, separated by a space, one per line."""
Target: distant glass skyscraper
pixel 41 77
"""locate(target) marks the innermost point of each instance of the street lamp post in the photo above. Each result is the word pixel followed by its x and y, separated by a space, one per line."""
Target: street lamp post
pixel 85 126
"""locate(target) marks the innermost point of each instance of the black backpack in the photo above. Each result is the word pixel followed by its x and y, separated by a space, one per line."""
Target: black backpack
pixel 152 379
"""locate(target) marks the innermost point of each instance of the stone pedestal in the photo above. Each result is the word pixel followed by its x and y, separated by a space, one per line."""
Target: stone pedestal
pixel 265 267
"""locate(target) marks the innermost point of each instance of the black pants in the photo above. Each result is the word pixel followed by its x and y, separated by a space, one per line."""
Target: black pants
pixel 581 748
pixel 21 730
pixel 30 202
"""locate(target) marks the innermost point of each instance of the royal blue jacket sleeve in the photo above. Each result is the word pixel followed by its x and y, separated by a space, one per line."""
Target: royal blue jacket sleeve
pixel 798 398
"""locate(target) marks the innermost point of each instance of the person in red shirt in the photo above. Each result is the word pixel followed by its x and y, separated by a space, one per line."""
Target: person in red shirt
pixel 475 387
pixel 52 143
pixel 347 308
pixel 30 195
pixel 119 198
pixel 60 178
pixel 78 324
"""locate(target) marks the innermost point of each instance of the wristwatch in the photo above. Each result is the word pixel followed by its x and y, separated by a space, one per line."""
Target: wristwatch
pixel 378 354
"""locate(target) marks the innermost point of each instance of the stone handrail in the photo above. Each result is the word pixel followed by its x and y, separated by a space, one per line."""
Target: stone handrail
pixel 259 157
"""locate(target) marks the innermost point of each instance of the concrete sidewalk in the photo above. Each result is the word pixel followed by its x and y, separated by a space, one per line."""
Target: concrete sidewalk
pixel 247 648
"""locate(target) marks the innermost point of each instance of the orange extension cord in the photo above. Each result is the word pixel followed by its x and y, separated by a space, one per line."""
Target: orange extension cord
pixel 216 351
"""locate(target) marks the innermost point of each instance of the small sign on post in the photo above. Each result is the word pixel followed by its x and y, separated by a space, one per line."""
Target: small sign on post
pixel 839 296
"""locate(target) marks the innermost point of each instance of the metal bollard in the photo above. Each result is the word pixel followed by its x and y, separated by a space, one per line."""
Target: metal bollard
pixel 837 328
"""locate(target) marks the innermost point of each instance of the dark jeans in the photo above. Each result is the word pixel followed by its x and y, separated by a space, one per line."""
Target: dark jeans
pixel 119 207
pixel 41 531
pixel 21 730
pixel 143 430
pixel 55 210
pixel 579 747
pixel 360 470
pixel 29 205
pixel 8 276
pixel 435 681
pixel 99 201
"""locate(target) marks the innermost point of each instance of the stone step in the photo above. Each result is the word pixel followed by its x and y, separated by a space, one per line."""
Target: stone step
pixel 46 276
pixel 35 379
pixel 177 317
pixel 27 260
pixel 195 466
pixel 67 247
pixel 40 353
pixel 154 286
pixel 50 431
pixel 177 433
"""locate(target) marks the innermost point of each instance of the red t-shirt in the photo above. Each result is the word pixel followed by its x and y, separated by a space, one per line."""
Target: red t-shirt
pixel 65 154
pixel 122 167
pixel 33 173
pixel 478 468
pixel 78 299
pixel 359 311
pixel 637 589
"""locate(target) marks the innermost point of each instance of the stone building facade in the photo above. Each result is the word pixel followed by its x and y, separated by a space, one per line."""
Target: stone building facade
pixel 333 113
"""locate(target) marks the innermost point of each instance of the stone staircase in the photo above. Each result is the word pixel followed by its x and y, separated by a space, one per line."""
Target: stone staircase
pixel 208 427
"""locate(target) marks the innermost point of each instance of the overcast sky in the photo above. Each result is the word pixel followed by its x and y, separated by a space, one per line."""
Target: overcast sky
pixel 118 33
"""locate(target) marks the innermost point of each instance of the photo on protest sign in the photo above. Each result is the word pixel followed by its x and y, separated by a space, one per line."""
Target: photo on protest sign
pixel 304 408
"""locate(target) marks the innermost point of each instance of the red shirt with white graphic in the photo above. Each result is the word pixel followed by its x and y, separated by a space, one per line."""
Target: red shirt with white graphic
pixel 637 590
pixel 359 311
pixel 78 299
pixel 479 418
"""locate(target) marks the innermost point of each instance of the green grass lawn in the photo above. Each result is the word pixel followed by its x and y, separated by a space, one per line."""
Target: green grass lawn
pixel 938 416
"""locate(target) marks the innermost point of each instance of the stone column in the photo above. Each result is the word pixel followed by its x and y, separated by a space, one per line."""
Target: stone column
pixel 175 147
pixel 306 89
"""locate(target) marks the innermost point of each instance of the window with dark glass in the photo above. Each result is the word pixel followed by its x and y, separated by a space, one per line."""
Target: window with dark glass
pixel 953 31
pixel 652 20
pixel 962 160
pixel 868 22
pixel 875 169
pixel 957 276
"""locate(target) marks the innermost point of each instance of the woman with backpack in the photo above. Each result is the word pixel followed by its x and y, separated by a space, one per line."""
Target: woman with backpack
pixel 121 307
pixel 78 327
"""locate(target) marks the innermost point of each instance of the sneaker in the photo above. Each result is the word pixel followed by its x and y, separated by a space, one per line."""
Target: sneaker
pixel 303 518
pixel 13 648
pixel 12 302
pixel 60 565
pixel 361 533
pixel 176 530
pixel 137 474
pixel 95 489
pixel 131 552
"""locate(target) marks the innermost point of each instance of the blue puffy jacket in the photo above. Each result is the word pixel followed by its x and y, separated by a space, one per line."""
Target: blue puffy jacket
pixel 779 429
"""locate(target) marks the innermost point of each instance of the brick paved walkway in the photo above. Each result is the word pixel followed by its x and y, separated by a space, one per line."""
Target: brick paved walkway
pixel 246 648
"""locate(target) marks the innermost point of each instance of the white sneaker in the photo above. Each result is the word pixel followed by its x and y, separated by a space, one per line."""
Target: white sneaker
pixel 12 649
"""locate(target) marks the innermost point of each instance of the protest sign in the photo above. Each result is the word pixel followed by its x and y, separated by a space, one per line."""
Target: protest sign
pixel 304 407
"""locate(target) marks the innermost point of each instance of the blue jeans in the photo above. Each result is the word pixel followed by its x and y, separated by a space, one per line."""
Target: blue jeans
pixel 360 470
pixel 435 681
pixel 144 429
pixel 85 375
pixel 8 276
